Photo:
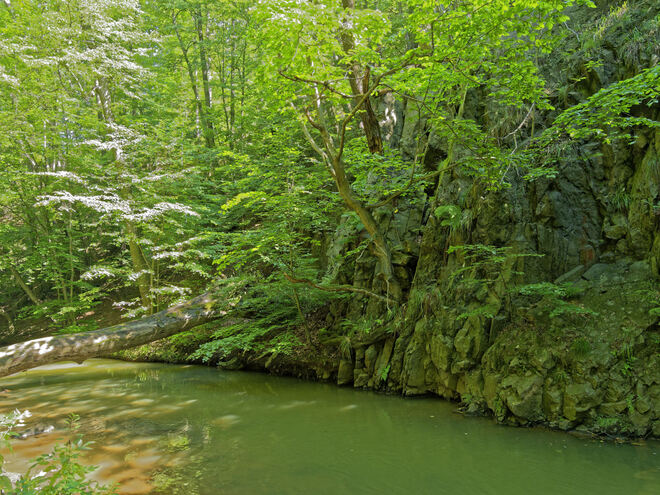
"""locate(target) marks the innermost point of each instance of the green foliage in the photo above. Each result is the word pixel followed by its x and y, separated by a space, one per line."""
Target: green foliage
pixel 383 373
pixel 619 200
pixel 62 471
pixel 485 264
pixel 554 297
pixel 608 114
pixel 607 422
pixel 485 310
pixel 449 216
pixel 148 148
pixel 581 347
pixel 176 442
pixel 263 318
pixel 548 289
pixel 649 298
pixel 484 269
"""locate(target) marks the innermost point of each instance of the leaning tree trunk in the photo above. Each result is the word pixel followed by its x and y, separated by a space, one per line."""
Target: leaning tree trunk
pixel 81 346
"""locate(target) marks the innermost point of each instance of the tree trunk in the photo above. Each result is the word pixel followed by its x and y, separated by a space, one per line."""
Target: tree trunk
pixel 204 65
pixel 19 280
pixel 208 138
pixel 10 322
pixel 358 78
pixel 81 346
pixel 140 266
pixel 382 249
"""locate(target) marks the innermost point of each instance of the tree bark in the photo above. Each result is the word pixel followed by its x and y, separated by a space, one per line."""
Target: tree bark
pixel 382 249
pixel 208 137
pixel 81 346
pixel 358 78
pixel 204 65
pixel 19 280
pixel 140 266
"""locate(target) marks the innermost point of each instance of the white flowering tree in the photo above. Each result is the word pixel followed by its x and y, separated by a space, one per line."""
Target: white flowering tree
pixel 81 180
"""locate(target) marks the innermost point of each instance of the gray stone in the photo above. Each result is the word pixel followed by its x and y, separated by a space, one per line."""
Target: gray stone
pixel 370 356
pixel 552 402
pixel 612 408
pixel 442 349
pixel 571 275
pixel 597 271
pixel 523 396
pixel 361 379
pixel 491 385
pixel 579 398
pixel 345 373
pixel 616 232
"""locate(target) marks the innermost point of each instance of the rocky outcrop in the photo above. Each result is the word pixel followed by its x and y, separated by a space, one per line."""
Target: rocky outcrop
pixel 583 349
pixel 551 316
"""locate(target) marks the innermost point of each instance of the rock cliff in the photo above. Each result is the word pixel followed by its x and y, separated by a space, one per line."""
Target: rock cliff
pixel 538 303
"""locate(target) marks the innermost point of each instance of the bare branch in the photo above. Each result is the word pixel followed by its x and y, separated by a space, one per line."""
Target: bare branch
pixel 326 84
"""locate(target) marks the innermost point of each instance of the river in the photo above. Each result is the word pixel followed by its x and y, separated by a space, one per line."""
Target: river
pixel 199 431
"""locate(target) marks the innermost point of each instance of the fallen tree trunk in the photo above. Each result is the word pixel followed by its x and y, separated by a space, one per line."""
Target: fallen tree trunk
pixel 81 346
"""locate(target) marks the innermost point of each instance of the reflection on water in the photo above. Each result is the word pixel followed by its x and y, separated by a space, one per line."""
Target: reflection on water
pixel 194 430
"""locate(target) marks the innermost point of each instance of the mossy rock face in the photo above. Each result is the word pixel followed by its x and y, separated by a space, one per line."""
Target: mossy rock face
pixel 470 341
pixel 442 351
pixel 370 356
pixel 491 386
pixel 552 402
pixel 523 396
pixel 578 399
pixel 345 372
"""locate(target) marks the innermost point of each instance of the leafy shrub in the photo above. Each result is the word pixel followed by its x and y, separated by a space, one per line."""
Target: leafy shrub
pixel 59 472
pixel 555 296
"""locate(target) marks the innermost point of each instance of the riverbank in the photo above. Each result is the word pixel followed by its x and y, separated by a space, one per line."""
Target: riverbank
pixel 593 375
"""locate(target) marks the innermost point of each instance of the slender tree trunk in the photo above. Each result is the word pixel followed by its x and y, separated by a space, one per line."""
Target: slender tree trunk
pixel 19 280
pixel 81 346
pixel 358 78
pixel 140 266
pixel 72 272
pixel 232 93
pixel 382 249
pixel 332 158
pixel 193 82
pixel 204 65
pixel 223 69
pixel 10 322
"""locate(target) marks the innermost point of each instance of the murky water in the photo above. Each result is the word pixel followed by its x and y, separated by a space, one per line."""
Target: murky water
pixel 194 430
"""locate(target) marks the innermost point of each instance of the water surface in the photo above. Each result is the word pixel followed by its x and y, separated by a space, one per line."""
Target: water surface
pixel 194 430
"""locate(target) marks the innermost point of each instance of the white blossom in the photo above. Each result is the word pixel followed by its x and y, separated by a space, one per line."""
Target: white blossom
pixel 136 275
pixel 96 273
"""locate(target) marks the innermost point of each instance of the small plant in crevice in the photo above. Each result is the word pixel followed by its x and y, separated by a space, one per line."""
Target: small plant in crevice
pixel 556 298
pixel 630 403
pixel 383 373
pixel 581 347
pixel 488 311
pixel 625 352
pixel 485 269
pixel 649 298
pixel 607 422
pixel 619 200
pixel 561 376
pixel 345 347
pixel 449 216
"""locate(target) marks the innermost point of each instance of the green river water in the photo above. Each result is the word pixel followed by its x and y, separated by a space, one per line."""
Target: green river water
pixel 194 430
